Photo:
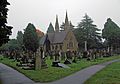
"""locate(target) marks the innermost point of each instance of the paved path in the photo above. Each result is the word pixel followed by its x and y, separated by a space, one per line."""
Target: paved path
pixel 10 76
pixel 81 76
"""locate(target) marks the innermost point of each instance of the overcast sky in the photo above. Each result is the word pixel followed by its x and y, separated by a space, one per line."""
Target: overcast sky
pixel 42 12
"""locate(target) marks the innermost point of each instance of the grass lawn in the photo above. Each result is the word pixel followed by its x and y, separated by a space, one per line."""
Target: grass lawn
pixel 0 82
pixel 52 73
pixel 109 75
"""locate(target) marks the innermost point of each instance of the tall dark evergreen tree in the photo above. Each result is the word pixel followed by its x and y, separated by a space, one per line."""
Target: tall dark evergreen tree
pixel 111 33
pixel 50 28
pixel 20 39
pixel 5 31
pixel 30 38
pixel 87 31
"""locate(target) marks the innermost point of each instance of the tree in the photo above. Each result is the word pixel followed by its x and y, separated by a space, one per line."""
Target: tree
pixel 79 34
pixel 62 26
pixel 4 47
pixel 20 39
pixel 13 45
pixel 87 31
pixel 111 33
pixel 30 38
pixel 10 46
pixel 50 28
pixel 5 31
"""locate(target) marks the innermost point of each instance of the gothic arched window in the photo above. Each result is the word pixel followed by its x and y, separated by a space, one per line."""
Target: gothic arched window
pixel 71 44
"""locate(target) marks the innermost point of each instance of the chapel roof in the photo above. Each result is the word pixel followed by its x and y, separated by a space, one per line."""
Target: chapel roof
pixel 54 38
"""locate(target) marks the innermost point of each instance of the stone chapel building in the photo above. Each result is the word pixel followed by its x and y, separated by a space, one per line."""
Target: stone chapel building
pixel 59 40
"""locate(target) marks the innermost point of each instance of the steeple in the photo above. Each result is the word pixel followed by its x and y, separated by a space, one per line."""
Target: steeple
pixel 56 24
pixel 66 18
pixel 66 22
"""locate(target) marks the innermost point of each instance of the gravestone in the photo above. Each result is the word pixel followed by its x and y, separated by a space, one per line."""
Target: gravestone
pixel 75 57
pixel 38 61
pixel 69 55
pixel 43 56
pixel 55 63
pixel 85 53
pixel 56 55
pixel 63 56
pixel 67 62
pixel 63 65
pixel 56 59
pixel 44 65
pixel 74 61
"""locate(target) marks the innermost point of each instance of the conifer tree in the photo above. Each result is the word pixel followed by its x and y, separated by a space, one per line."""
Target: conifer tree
pixel 87 31
pixel 20 39
pixel 30 38
pixel 50 28
pixel 111 33
pixel 5 31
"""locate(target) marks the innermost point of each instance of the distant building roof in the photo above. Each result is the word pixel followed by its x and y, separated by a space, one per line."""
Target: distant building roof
pixel 56 37
pixel 59 37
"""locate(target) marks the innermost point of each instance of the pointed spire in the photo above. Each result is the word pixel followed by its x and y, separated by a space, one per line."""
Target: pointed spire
pixel 66 22
pixel 57 24
pixel 66 18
